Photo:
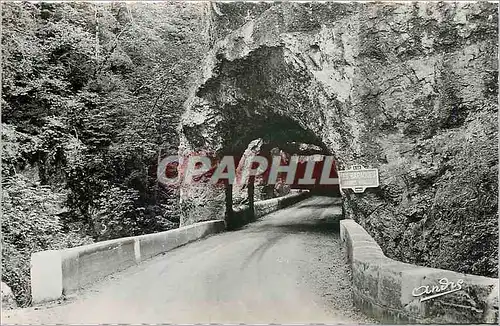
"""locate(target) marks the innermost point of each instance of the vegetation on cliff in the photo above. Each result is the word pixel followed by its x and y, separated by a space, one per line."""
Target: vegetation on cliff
pixel 91 97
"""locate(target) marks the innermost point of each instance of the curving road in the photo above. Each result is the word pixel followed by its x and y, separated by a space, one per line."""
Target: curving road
pixel 287 267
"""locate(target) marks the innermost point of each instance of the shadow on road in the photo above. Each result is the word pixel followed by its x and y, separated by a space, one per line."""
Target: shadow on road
pixel 312 215
pixel 317 205
pixel 320 226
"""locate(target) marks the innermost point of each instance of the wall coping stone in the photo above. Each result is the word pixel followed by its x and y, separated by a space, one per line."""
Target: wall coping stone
pixel 55 273
pixel 382 287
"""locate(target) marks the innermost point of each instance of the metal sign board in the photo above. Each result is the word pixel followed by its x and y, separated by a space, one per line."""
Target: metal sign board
pixel 358 178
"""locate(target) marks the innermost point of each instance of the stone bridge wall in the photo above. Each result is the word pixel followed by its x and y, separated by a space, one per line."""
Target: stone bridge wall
pixel 243 215
pixel 60 272
pixel 383 287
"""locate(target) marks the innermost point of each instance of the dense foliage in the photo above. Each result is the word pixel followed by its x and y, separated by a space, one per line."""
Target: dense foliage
pixel 91 97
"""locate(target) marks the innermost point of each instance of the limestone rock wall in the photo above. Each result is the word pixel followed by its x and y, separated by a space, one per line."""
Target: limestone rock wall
pixel 410 89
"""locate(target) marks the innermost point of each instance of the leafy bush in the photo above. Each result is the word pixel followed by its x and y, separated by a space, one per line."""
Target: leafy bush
pixel 119 214
pixel 30 223
pixel 91 97
pixel 116 215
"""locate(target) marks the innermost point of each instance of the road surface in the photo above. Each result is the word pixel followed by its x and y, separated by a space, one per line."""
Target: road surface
pixel 288 267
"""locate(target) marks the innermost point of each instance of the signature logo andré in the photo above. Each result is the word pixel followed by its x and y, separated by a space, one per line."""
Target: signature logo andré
pixel 427 292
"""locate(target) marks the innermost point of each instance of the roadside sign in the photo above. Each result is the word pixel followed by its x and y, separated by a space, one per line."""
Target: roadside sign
pixel 358 178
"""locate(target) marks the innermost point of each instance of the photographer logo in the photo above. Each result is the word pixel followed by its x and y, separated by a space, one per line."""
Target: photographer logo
pixel 427 292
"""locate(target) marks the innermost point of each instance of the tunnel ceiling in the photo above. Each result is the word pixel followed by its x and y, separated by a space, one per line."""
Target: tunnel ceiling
pixel 261 96
pixel 278 131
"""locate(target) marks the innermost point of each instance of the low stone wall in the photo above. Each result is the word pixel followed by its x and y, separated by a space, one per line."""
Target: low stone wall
pixel 243 215
pixel 58 272
pixel 388 290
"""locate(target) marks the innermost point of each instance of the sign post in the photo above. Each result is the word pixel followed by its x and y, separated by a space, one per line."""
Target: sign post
pixel 358 178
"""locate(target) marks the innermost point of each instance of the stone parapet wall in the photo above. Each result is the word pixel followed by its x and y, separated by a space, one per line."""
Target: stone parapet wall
pixel 60 272
pixel 385 288
pixel 243 214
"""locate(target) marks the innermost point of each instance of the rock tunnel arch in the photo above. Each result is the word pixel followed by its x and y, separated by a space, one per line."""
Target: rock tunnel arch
pixel 374 96
pixel 263 95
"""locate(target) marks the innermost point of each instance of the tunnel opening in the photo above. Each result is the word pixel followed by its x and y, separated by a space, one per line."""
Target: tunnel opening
pixel 263 95
pixel 283 138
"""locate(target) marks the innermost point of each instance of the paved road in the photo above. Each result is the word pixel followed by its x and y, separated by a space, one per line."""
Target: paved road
pixel 286 268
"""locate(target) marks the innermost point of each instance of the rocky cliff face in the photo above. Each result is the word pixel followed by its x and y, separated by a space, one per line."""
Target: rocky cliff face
pixel 410 89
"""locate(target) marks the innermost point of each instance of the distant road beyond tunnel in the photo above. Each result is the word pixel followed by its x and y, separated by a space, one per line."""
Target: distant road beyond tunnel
pixel 287 267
